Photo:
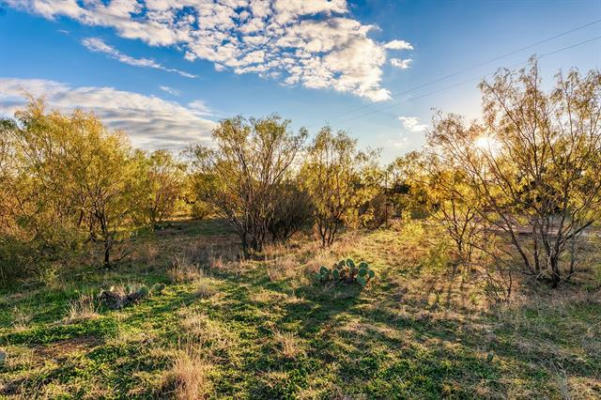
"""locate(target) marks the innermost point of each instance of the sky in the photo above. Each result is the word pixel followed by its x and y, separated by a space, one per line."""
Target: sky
pixel 166 71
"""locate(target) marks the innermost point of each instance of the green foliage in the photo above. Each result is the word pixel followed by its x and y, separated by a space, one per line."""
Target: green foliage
pixel 242 176
pixel 234 333
pixel 68 181
pixel 159 187
pixel 346 271
pixel 331 175
pixel 293 212
pixel 437 258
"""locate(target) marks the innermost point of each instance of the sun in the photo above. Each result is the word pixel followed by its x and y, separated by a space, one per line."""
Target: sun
pixel 486 143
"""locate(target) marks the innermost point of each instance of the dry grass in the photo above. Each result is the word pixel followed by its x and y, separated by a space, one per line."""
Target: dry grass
pixel 183 270
pixel 204 334
pixel 147 254
pixel 82 308
pixel 189 377
pixel 216 263
pixel 544 345
pixel 288 344
pixel 21 319
pixel 203 287
pixel 283 267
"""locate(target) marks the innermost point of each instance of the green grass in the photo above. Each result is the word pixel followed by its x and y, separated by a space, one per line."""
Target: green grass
pixel 409 334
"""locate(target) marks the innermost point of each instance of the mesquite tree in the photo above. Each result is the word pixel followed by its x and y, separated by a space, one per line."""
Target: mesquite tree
pixel 242 176
pixel 331 176
pixel 533 163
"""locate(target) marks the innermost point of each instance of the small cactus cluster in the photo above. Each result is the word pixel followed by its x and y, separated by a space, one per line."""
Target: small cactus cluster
pixel 347 271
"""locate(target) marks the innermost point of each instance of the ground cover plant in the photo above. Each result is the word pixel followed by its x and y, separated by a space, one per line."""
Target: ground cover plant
pixel 235 328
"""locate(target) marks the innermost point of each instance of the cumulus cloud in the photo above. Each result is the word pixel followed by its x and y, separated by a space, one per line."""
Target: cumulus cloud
pixel 398 45
pixel 412 124
pixel 399 63
pixel 99 46
pixel 314 43
pixel 149 121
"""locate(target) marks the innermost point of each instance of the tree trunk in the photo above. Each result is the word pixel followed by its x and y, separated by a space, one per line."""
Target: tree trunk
pixel 108 244
pixel 555 275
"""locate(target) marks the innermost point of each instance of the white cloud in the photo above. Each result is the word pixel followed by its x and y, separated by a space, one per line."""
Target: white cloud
pixel 399 63
pixel 199 107
pixel 314 43
pixel 412 124
pixel 170 90
pixel 398 45
pixel 99 46
pixel 149 121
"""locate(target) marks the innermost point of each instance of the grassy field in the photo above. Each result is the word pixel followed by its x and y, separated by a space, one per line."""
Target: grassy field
pixel 225 328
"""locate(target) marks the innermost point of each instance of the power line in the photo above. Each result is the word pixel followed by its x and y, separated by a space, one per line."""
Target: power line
pixel 445 77
pixel 471 80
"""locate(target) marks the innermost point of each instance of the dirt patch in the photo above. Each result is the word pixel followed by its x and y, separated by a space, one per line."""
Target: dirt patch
pixel 62 348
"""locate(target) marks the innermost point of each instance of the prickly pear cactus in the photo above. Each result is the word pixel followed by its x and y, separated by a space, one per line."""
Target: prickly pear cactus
pixel 324 274
pixel 347 271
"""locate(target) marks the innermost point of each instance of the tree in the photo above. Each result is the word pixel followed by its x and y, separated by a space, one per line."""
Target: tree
pixel 105 179
pixel 455 208
pixel 7 127
pixel 371 201
pixel 533 163
pixel 161 185
pixel 293 212
pixel 40 194
pixel 74 176
pixel 243 174
pixel 407 181
pixel 331 176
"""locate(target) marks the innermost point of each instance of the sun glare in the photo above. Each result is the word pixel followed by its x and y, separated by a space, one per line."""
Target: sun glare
pixel 486 143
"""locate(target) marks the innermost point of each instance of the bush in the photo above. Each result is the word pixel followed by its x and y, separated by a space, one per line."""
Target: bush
pixel 293 212
pixel 200 210
pixel 22 258
pixel 373 213
pixel 14 260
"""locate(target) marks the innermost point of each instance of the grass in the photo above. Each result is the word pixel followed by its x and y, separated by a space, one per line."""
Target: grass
pixel 224 328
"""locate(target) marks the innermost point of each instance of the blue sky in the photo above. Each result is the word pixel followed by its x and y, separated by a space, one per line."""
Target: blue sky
pixel 166 70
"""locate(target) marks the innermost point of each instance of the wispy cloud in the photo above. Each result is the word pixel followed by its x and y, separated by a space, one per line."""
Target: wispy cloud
pixel 412 124
pixel 317 44
pixel 170 90
pixel 149 121
pixel 99 46
pixel 399 63
pixel 199 107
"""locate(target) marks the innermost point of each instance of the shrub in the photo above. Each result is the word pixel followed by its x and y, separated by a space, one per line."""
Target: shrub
pixel 293 211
